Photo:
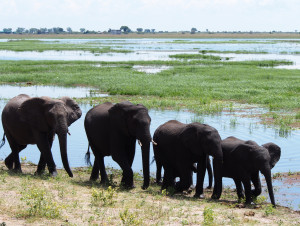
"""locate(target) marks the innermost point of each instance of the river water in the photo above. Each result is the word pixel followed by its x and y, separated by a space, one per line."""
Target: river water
pixel 161 49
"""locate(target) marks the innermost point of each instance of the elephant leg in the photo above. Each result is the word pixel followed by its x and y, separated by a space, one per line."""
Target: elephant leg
pixel 201 168
pixel 169 179
pixel 104 177
pixel 131 151
pixel 158 172
pixel 95 171
pixel 13 161
pixel 185 180
pixel 247 186
pixel 239 189
pixel 210 173
pixel 127 178
pixel 44 147
pixel 257 185
pixel 42 163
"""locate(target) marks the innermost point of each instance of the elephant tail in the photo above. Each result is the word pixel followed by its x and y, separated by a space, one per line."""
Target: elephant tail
pixel 87 157
pixel 3 141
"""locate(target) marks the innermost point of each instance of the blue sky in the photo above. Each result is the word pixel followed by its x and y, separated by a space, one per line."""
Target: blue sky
pixel 170 15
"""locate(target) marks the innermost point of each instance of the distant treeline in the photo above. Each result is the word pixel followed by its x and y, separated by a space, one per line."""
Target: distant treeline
pixel 121 30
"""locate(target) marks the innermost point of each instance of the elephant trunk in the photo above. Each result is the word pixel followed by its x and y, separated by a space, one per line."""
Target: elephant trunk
pixel 145 146
pixel 267 174
pixel 62 136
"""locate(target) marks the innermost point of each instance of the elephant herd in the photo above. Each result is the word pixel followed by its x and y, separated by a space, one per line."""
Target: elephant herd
pixel 112 130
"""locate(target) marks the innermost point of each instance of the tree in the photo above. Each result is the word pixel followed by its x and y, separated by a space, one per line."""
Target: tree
pixel 193 30
pixel 33 30
pixel 147 31
pixel 139 30
pixel 43 30
pixel 82 30
pixel 153 30
pixel 20 30
pixel 7 30
pixel 69 30
pixel 125 29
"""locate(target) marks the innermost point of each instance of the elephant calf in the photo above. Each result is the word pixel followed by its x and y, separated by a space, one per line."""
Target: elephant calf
pixel 36 120
pixel 244 159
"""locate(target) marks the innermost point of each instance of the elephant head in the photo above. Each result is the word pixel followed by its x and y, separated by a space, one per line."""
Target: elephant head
pixel 274 151
pixel 134 121
pixel 251 158
pixel 46 115
pixel 202 140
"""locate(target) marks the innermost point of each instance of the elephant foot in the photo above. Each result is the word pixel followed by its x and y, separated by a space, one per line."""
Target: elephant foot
pixel 199 196
pixel 18 170
pixel 209 187
pixel 94 178
pixel 54 173
pixel 214 196
pixel 127 186
pixel 39 172
pixel 145 186
pixel 9 163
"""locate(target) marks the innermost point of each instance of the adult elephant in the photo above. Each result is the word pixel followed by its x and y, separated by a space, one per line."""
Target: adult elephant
pixel 112 129
pixel 36 120
pixel 244 159
pixel 180 145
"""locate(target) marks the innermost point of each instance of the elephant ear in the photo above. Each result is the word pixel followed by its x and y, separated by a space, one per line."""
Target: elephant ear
pixel 118 116
pixel 189 137
pixel 74 111
pixel 34 112
pixel 274 151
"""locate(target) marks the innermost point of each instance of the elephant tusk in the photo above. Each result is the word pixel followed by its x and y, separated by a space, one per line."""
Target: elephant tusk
pixel 153 142
pixel 69 132
pixel 140 143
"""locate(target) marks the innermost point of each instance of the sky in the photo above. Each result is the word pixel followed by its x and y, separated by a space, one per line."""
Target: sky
pixel 161 15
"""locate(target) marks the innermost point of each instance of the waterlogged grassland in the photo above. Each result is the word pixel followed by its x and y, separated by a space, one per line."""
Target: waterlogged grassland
pixel 202 86
pixel 40 46
pixel 29 199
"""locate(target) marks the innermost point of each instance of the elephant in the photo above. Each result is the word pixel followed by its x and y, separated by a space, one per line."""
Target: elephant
pixel 36 120
pixel 112 130
pixel 180 145
pixel 244 159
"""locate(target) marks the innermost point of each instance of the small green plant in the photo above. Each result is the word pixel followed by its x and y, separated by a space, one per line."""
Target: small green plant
pixel 129 218
pixel 23 159
pixel 103 198
pixel 269 210
pixel 260 200
pixel 233 122
pixel 208 215
pixel 184 222
pixel 40 204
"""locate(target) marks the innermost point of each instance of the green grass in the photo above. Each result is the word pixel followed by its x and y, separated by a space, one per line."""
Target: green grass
pixel 236 52
pixel 202 85
pixel 40 46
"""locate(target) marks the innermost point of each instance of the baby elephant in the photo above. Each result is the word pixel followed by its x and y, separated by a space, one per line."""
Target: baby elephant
pixel 243 163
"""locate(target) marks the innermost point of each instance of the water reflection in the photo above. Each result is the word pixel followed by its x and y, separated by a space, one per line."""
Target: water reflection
pixel 226 124
pixel 8 91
